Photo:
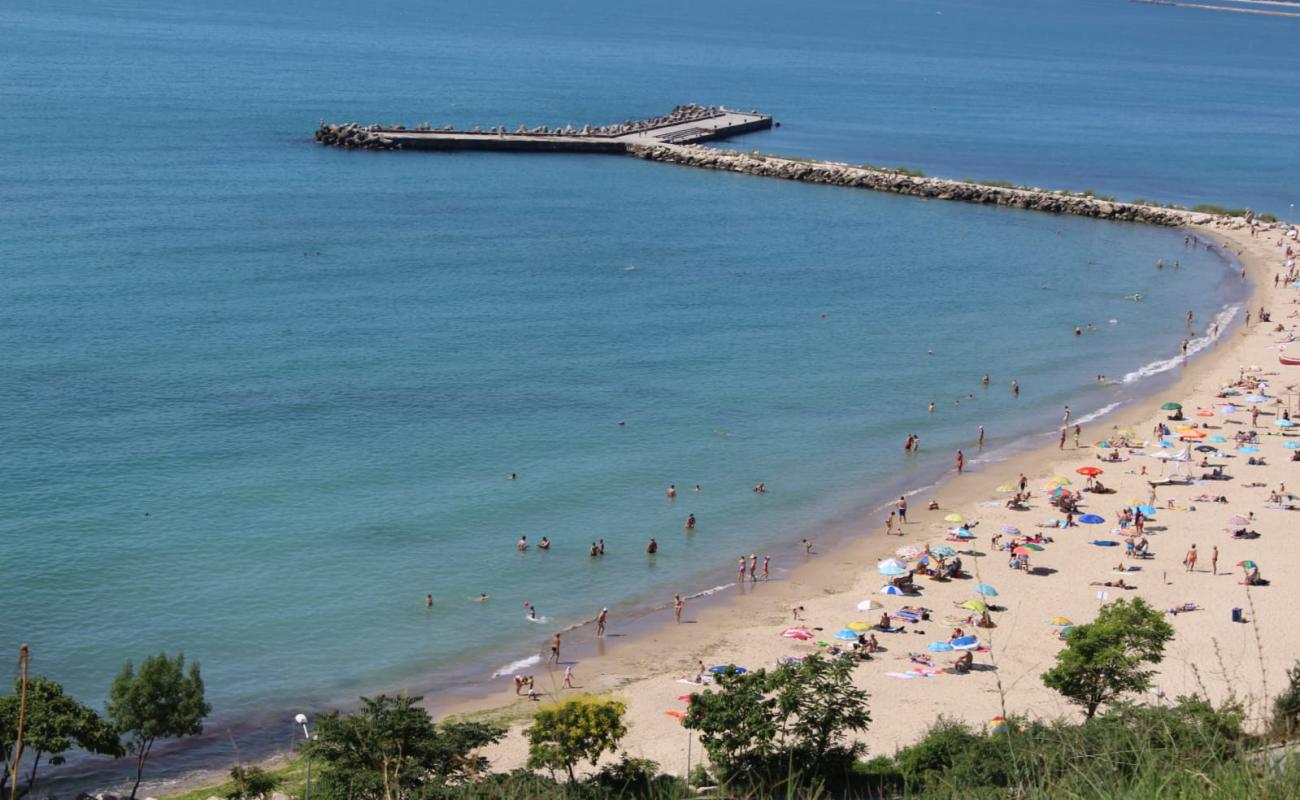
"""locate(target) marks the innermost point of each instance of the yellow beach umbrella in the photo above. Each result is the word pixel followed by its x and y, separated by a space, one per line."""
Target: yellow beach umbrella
pixel 1005 488
pixel 1061 480
pixel 954 518
pixel 974 605
pixel 859 626
pixel 1060 621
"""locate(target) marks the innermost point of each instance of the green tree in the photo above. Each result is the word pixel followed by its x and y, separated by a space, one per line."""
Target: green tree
pixel 161 701
pixel 581 728
pixel 1286 706
pixel 1109 657
pixel 56 722
pixel 758 724
pixel 391 749
pixel 251 783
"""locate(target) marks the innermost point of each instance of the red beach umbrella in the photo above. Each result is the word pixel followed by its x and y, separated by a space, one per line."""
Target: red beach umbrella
pixel 1089 471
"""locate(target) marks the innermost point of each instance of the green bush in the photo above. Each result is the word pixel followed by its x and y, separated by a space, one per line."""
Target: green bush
pixel 250 783
pixel 1210 208
pixel 1286 706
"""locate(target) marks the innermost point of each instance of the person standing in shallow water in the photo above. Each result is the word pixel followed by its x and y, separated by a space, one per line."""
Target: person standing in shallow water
pixel 600 621
pixel 690 522
pixel 961 461
pixel 678 605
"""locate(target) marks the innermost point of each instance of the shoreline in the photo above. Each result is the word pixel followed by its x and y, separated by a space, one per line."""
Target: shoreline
pixel 643 670
pixel 622 665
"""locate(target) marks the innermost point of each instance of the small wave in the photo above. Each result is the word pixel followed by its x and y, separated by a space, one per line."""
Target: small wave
pixel 515 666
pixel 1101 412
pixel 910 493
pixel 1222 320
pixel 708 592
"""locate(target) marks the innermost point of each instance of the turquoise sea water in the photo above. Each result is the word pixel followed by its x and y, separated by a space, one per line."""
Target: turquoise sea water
pixel 260 397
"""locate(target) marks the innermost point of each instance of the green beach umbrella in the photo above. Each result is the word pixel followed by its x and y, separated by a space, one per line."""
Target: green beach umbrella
pixel 1172 406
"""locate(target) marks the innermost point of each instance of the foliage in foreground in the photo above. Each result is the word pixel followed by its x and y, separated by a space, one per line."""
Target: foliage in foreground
pixel 56 723
pixel 1109 657
pixel 582 728
pixel 391 749
pixel 162 700
pixel 788 726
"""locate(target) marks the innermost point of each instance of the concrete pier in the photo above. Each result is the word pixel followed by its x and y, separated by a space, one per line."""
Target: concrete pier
pixel 689 124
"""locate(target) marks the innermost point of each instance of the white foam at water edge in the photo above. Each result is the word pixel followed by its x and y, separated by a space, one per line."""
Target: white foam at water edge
pixel 515 666
pixel 708 592
pixel 1223 319
pixel 1101 412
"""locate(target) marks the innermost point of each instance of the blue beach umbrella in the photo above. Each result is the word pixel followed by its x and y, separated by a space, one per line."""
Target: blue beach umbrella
pixel 1147 511
pixel 943 550
pixel 1284 423
pixel 940 647
pixel 965 643
pixel 1217 439
pixel 725 667
pixel 845 633
pixel 891 570
pixel 1292 445
pixel 1091 519
pixel 1010 530
pixel 890 589
pixel 1164 443
pixel 986 590
pixel 1249 448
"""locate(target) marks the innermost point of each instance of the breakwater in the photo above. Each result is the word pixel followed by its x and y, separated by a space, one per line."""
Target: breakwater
pixel 676 137
pixel 880 180
pixel 685 124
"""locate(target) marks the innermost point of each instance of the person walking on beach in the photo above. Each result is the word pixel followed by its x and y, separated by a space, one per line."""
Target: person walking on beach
pixel 1061 445
pixel 1214 560
pixel 555 650
pixel 1024 483
pixel 889 524
pixel 902 511
pixel 753 568
pixel 1078 431
pixel 600 621
pixel 1190 559
pixel 678 605
pixel 961 461
pixel 740 570
pixel 981 440
pixel 1065 420
pixel 1254 416
pixel 568 677
pixel 807 547
pixel 767 564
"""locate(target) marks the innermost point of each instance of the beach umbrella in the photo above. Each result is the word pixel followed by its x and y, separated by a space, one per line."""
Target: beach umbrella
pixel 1256 398
pixel 891 571
pixel 1020 551
pixel 870 605
pixel 859 626
pixel 1010 530
pixel 1126 432
pixel 965 643
pixel 1248 564
pixel 1035 547
pixel 1205 412
pixel 986 590
pixel 1172 406
pixel 1091 519
pixel 891 562
pixel 962 533
pixel 974 605
pixel 998 725
pixel 1059 621
pixel 1105 543
pixel 724 667
pixel 1090 471
pixel 1206 448
pixel 1066 630
pixel 940 647
pixel 1248 448
pixel 1292 445
pixel 943 550
pixel 1061 480
pixel 1217 439
pixel 1102 444
pixel 954 518
pixel 953 622
pixel 796 633
pixel 680 716
pixel 845 633
pixel 1193 435
pixel 1284 423
pixel 685 698
pixel 1238 520
pixel 1146 510
pixel 890 589
pixel 909 551
pixel 1006 488
pixel 1051 487
pixel 1227 408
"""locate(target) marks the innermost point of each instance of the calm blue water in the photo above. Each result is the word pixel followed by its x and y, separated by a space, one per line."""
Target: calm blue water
pixel 260 397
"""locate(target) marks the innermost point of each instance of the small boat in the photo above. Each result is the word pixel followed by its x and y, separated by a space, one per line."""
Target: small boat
pixel 1289 362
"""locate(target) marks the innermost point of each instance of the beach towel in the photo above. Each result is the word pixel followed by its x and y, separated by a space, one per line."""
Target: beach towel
pixel 910 616
pixel 903 676
pixel 895 629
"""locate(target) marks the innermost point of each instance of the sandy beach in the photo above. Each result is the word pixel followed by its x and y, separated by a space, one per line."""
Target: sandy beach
pixel 1210 654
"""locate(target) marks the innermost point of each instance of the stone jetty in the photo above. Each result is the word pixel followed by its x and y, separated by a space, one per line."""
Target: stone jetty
pixel 675 137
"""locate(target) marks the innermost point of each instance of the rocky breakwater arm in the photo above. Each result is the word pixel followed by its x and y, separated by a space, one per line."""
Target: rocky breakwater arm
pixel 881 180
pixel 353 136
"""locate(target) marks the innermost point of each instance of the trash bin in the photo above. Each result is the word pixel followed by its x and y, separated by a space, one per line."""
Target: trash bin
pixel 1236 615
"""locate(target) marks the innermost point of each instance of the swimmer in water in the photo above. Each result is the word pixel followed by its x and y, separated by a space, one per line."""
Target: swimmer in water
pixel 545 545
pixel 690 522
pixel 986 379
pixel 523 543
pixel 672 491
pixel 428 601
pixel 482 597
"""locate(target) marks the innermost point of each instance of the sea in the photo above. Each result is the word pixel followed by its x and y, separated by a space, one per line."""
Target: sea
pixel 259 398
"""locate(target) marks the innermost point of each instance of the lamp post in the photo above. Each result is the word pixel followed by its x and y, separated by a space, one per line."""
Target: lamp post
pixel 301 719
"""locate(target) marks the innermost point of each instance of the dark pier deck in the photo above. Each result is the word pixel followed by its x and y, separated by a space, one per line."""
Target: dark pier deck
pixel 684 125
